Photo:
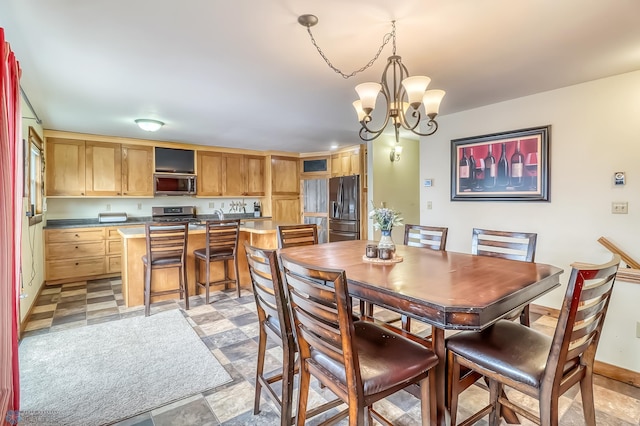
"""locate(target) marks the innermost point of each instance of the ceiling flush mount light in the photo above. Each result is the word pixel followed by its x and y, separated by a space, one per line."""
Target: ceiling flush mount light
pixel 149 125
pixel 395 153
pixel 404 95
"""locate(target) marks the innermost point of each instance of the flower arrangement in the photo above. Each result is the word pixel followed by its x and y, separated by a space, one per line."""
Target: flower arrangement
pixel 385 219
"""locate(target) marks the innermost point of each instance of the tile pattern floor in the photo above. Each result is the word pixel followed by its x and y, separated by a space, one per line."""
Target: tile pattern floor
pixel 228 326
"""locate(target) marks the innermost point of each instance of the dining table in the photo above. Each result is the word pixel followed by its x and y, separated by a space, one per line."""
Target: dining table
pixel 448 290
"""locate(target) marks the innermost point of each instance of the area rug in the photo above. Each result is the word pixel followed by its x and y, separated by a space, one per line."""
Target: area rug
pixel 107 372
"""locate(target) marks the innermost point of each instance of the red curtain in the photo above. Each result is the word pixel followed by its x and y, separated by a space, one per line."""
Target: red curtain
pixel 11 183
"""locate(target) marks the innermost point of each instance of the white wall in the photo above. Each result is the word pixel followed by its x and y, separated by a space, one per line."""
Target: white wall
pixel 595 132
pixel 89 208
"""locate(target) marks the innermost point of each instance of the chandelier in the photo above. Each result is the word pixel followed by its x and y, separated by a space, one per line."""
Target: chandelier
pixel 408 102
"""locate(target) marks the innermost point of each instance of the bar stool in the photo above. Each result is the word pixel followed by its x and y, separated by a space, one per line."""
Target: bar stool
pixel 166 248
pixel 221 246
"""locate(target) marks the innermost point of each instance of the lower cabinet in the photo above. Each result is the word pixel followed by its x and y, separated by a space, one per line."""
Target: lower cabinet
pixel 286 209
pixel 81 253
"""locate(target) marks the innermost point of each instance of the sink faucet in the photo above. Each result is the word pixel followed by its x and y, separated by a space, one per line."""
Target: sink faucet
pixel 220 213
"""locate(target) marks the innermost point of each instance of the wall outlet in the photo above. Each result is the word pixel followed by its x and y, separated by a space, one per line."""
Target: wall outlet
pixel 222 205
pixel 139 206
pixel 638 329
pixel 429 205
pixel 108 207
pixel 620 207
pixel 212 204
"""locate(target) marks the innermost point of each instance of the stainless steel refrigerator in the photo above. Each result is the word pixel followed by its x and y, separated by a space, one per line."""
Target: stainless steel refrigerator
pixel 344 208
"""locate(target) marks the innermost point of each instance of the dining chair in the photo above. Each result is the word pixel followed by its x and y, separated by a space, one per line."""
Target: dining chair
pixel 506 245
pixel 221 245
pixel 361 362
pixel 166 248
pixel 275 322
pixel 430 237
pixel 540 366
pixel 297 235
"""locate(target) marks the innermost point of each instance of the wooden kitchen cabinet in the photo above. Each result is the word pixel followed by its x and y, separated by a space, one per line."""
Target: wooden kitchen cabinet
pixel 65 171
pixel 234 175
pixel 285 176
pixel 209 173
pixel 286 209
pixel 103 175
pixel 255 175
pixel 137 170
pixel 346 163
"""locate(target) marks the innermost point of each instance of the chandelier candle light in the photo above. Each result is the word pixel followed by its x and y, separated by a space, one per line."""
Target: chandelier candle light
pixel 403 94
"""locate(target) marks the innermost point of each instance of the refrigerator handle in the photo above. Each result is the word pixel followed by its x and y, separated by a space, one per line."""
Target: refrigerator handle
pixel 334 209
pixel 340 198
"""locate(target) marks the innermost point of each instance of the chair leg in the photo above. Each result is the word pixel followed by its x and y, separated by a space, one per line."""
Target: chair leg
pixel 586 390
pixel 524 317
pixel 262 347
pixel 207 271
pixel 226 273
pixel 452 386
pixel 425 409
pixel 495 389
pixel 303 395
pixel 406 323
pixel 235 262
pixel 147 290
pixel 197 271
pixel 288 374
pixel 185 286
pixel 549 410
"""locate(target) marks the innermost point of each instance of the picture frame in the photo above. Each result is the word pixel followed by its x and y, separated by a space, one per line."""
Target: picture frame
pixel 506 166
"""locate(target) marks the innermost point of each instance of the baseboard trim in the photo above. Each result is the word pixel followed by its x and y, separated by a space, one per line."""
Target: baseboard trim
pixel 24 323
pixel 602 368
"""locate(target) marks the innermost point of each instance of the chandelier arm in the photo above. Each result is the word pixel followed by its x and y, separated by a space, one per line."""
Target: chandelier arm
pixel 385 40
pixel 364 132
pixel 432 125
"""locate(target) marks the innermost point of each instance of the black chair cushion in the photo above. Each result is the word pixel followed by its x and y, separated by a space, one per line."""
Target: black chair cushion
pixel 218 254
pixel 159 260
pixel 507 348
pixel 386 359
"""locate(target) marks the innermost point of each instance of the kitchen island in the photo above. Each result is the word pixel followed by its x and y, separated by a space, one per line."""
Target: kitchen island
pixel 259 233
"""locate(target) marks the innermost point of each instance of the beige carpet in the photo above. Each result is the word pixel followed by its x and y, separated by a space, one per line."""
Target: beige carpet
pixel 107 372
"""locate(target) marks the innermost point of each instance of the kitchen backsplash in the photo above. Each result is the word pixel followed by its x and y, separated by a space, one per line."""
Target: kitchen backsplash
pixel 89 208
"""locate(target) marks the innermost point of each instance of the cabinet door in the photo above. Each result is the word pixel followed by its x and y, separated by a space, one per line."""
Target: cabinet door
pixel 286 210
pixel 209 173
pixel 285 179
pixel 355 162
pixel 255 175
pixel 137 170
pixel 345 163
pixel 104 169
pixel 234 180
pixel 65 169
pixel 336 165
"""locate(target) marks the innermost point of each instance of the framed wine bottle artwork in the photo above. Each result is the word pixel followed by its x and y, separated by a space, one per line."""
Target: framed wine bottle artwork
pixel 506 166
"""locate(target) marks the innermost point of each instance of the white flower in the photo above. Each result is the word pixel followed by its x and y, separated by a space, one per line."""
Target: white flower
pixel 385 219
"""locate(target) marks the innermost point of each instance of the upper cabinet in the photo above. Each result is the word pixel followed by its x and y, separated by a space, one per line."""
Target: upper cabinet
pixel 103 169
pixel 137 170
pixel 65 167
pixel 285 176
pixel 209 173
pixel 103 173
pixel 346 163
pixel 228 174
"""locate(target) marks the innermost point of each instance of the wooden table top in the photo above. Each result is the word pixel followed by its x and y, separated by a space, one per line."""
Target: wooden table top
pixel 446 289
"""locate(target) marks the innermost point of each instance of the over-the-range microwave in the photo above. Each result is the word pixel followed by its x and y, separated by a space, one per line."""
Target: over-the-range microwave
pixel 174 184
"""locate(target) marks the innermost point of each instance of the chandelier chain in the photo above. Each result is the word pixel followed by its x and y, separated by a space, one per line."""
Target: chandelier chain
pixel 385 40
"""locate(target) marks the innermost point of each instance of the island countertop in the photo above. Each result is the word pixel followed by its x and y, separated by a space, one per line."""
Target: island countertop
pixel 252 227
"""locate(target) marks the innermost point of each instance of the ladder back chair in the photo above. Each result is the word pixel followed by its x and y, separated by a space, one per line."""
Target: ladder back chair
pixel 361 362
pixel 430 237
pixel 297 235
pixel 166 248
pixel 275 322
pixel 543 367
pixel 221 245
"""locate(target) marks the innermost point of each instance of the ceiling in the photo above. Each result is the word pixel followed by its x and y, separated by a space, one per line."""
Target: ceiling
pixel 244 73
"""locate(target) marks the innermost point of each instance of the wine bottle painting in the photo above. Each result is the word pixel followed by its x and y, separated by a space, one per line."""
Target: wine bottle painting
pixel 506 166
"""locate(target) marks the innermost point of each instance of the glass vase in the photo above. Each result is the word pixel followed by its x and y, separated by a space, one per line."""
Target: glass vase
pixel 386 246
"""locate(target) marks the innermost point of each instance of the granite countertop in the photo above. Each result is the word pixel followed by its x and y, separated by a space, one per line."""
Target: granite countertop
pixel 140 220
pixel 251 226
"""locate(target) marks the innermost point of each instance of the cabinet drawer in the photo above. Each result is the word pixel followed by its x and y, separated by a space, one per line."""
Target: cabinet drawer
pixel 114 246
pixel 77 250
pixel 113 264
pixel 74 235
pixel 112 232
pixel 70 268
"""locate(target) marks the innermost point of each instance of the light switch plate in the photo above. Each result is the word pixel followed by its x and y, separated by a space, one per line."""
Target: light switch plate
pixel 620 207
pixel 638 329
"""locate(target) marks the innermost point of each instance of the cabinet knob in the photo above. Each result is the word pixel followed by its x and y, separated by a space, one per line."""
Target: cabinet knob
pixel 77 263
pixel 82 193
pixel 76 246
pixel 77 236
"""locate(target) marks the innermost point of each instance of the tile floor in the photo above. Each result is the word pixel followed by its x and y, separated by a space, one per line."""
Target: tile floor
pixel 228 326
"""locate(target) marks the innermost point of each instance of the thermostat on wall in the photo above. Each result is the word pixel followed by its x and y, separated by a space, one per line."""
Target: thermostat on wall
pixel 428 183
pixel 618 178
